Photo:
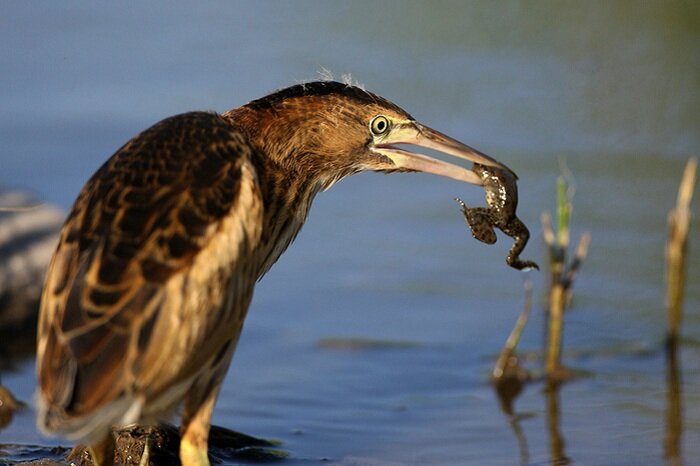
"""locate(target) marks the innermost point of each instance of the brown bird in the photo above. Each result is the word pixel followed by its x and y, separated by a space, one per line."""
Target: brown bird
pixel 150 283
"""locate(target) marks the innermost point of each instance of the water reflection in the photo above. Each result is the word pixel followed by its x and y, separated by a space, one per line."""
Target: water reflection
pixel 674 407
pixel 557 455
pixel 508 388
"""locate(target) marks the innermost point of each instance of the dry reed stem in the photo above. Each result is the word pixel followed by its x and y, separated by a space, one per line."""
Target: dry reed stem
pixel 555 331
pixel 505 358
pixel 676 249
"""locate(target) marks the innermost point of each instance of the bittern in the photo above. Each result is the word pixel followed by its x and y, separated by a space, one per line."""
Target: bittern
pixel 147 291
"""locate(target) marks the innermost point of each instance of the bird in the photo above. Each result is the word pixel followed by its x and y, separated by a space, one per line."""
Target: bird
pixel 147 291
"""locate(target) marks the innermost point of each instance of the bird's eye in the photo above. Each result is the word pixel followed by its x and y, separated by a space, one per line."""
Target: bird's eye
pixel 379 125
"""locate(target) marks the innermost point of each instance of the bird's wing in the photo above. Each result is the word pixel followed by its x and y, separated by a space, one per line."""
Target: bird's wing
pixel 139 221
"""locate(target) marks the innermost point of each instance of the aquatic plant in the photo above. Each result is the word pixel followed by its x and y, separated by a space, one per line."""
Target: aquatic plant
pixel 561 277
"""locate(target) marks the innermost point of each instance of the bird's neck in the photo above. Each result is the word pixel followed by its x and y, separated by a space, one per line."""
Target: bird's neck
pixel 287 187
pixel 287 197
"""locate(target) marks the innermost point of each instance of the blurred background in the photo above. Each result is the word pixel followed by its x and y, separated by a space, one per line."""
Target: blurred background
pixel 371 341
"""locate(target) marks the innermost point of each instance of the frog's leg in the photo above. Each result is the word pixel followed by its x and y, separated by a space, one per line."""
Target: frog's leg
pixel 479 221
pixel 519 232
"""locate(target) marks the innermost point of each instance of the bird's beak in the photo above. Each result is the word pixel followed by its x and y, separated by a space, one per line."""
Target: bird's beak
pixel 418 135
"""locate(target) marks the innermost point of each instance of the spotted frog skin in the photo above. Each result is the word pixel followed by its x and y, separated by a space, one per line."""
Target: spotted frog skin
pixel 501 192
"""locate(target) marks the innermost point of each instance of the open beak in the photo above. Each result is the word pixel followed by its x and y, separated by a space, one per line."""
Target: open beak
pixel 418 135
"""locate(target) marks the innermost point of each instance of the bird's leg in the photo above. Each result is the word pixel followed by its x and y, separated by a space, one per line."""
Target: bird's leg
pixel 194 430
pixel 198 409
pixel 102 452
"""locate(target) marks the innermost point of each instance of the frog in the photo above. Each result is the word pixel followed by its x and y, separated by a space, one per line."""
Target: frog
pixel 501 193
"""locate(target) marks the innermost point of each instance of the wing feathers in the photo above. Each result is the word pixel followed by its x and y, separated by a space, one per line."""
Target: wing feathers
pixel 140 221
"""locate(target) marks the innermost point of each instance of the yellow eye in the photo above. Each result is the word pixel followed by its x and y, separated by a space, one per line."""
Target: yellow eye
pixel 379 125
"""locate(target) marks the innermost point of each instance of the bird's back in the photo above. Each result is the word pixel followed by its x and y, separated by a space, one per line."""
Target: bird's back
pixel 157 237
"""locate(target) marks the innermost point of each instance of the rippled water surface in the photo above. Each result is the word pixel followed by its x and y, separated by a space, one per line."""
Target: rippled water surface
pixel 371 341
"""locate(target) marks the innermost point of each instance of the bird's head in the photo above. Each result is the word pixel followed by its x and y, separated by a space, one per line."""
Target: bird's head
pixel 329 130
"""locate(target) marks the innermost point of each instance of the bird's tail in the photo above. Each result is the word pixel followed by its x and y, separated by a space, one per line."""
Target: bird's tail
pixel 54 421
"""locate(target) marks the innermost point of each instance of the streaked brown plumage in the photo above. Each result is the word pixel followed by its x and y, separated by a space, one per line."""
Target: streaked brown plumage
pixel 151 281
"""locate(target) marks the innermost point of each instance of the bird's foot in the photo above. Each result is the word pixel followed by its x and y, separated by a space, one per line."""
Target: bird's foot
pixel 192 454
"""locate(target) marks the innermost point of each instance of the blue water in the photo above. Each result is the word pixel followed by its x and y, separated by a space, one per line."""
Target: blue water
pixel 610 90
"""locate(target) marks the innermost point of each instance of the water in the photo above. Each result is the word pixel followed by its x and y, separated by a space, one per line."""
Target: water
pixel 610 89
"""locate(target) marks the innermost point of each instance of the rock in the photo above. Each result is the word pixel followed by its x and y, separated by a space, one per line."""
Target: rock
pixel 225 446
pixel 28 237
pixel 8 405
